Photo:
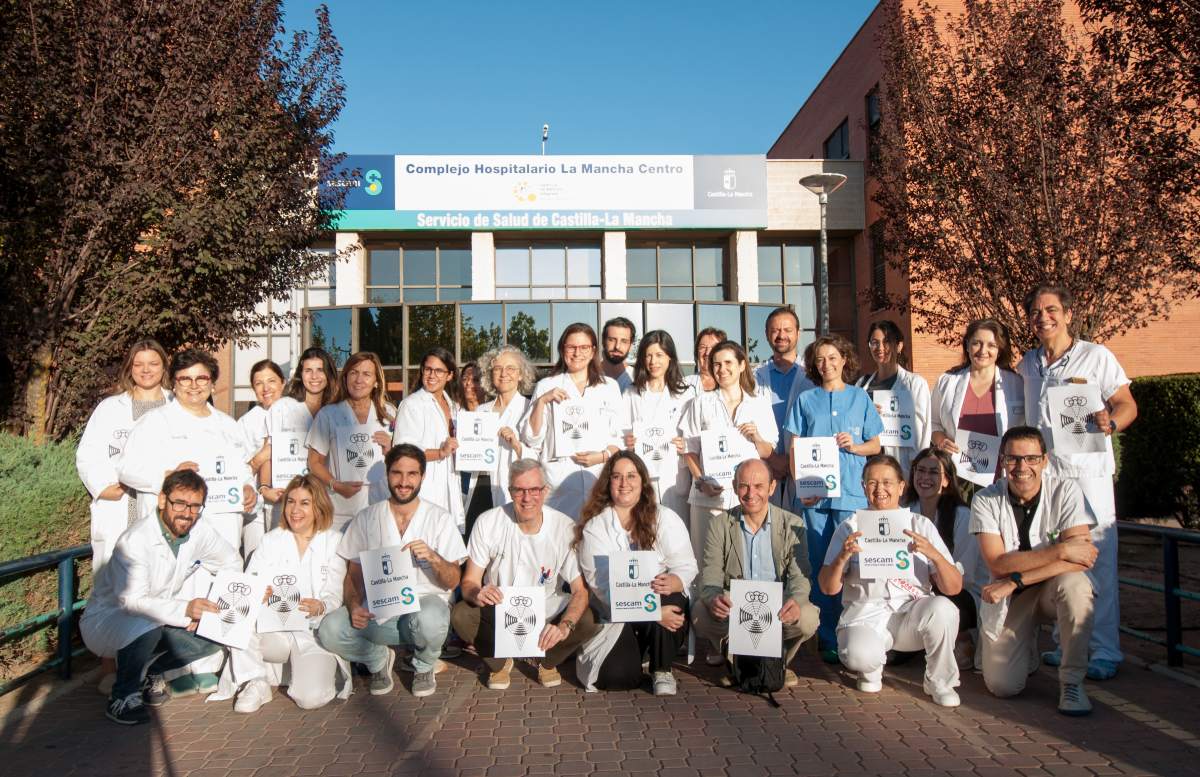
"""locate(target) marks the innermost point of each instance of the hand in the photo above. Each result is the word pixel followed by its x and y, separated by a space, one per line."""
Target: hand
pixel 346 489
pixel 672 618
pixel 553 395
pixel 112 493
pixel 1103 419
pixel 488 595
pixel 948 445
pixel 790 612
pixel 448 446
pixel 312 607
pixel 197 607
pixel 998 591
pixel 809 501
pixel 666 583
pixel 749 431
pixel 360 616
pixel 192 626
pixel 267 594
pixel 709 488
pixel 249 497
pixel 850 547
pixel 629 440
pixel 262 456
pixel 193 466
pixel 720 606
pixel 879 408
pixel 921 544
pixel 272 495
pixel 509 436
pixel 382 439
pixel 588 458
pixel 422 552
pixel 844 440
pixel 1079 550
pixel 679 445
pixel 552 635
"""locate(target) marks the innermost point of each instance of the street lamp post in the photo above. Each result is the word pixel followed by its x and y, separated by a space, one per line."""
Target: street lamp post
pixel 822 185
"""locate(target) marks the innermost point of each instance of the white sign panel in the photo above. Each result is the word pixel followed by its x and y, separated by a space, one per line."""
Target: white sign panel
pixel 1072 422
pixel 576 430
pixel 884 544
pixel 977 456
pixel 391 582
pixel 222 473
pixel 630 574
pixel 818 467
pixel 721 451
pixel 357 452
pixel 239 597
pixel 896 412
pixel 754 625
pixel 520 618
pixel 656 447
pixel 282 612
pixel 478 441
pixel 289 456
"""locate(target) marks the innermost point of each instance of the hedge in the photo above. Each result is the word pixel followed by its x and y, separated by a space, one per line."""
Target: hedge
pixel 1160 452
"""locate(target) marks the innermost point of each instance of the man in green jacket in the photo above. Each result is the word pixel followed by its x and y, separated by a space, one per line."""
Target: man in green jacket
pixel 756 541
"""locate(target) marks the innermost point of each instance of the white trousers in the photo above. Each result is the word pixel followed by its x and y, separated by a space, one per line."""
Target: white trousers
pixel 929 623
pixel 313 670
pixel 1106 636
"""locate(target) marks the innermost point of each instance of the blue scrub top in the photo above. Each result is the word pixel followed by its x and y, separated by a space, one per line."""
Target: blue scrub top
pixel 821 413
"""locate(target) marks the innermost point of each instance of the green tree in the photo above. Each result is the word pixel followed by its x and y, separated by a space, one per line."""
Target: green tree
pixel 525 334
pixel 159 164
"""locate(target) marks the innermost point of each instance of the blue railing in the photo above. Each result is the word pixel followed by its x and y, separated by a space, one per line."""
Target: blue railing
pixel 64 617
pixel 1173 595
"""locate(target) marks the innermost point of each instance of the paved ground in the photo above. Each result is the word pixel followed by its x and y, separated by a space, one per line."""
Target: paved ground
pixel 1144 723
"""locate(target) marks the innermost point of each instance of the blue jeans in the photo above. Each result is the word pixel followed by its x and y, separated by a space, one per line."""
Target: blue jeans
pixel 820 526
pixel 181 647
pixel 423 631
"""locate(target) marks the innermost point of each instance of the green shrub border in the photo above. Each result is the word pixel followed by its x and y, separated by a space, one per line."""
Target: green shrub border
pixel 1160 452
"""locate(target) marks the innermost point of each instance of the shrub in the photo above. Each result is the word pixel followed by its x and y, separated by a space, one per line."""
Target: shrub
pixel 1160 452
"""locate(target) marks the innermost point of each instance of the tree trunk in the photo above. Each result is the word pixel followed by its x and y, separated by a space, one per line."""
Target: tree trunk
pixel 37 393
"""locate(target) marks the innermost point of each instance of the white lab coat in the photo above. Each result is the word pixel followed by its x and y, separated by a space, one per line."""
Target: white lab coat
pixel 96 459
pixel 323 438
pixel 511 417
pixel 916 387
pixel 951 389
pixel 420 422
pixel 145 585
pixel 167 436
pixel 571 483
pixel 662 409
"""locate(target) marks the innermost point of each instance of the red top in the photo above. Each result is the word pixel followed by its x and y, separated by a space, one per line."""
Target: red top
pixel 979 413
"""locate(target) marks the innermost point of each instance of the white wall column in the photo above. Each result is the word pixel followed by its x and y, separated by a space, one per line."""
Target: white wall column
pixel 614 266
pixel 351 271
pixel 743 263
pixel 483 265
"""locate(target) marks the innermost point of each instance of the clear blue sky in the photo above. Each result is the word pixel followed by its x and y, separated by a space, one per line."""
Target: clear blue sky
pixel 614 76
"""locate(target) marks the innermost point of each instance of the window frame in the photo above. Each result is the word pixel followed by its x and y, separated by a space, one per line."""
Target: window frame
pixel 400 288
pixel 658 285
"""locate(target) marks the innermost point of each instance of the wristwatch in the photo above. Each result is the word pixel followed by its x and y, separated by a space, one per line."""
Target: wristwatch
pixel 1016 578
pixel 1112 426
pixel 570 624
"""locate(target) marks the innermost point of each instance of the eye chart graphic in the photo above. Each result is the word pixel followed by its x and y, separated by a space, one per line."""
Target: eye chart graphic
pixel 520 618
pixel 754 625
pixel 239 599
pixel 1072 425
pixel 282 612
pixel 574 431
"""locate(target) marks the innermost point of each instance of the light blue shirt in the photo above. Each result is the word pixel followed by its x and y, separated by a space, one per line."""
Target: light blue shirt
pixel 768 377
pixel 759 563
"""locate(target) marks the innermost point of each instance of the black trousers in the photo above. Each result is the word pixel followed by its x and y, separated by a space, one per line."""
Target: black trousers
pixel 967 617
pixel 622 668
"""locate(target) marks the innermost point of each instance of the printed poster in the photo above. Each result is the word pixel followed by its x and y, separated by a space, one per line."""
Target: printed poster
pixel 721 451
pixel 630 574
pixel 391 582
pixel 289 456
pixel 239 597
pixel 357 453
pixel 977 456
pixel 520 618
pixel 576 430
pixel 1072 422
pixel 478 442
pixel 654 443
pixel 282 611
pixel 754 625
pixel 884 544
pixel 896 411
pixel 223 474
pixel 818 467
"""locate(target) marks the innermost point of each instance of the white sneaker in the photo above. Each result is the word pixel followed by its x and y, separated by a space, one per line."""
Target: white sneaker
pixel 869 686
pixel 664 684
pixel 254 695
pixel 947 698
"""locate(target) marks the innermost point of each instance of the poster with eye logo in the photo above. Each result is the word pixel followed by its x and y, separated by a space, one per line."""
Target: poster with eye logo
pixel 239 598
pixel 977 456
pixel 289 456
pixel 818 467
pixel 391 582
pixel 630 574
pixel 478 442
pixel 884 544
pixel 1073 426
pixel 896 411
pixel 282 611
pixel 754 625
pixel 520 618
pixel 577 429
pixel 653 443
pixel 357 452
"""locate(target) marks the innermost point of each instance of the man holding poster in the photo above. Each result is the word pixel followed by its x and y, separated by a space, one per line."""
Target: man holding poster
pixel 420 533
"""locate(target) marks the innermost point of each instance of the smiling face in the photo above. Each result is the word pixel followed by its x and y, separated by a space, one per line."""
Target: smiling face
pixel 528 492
pixel 657 361
pixel 361 380
pixel 404 479
pixel 983 348
pixel 147 370
pixel 434 375
pixel 312 375
pixel 617 342
pixel 882 350
pixel 299 512
pixel 754 487
pixel 625 485
pixel 1023 461
pixel 727 368
pixel 782 334
pixel 506 373
pixel 578 352
pixel 180 510
pixel 268 387
pixel 829 362
pixel 193 387
pixel 928 477
pixel 1048 319
pixel 703 349
pixel 884 487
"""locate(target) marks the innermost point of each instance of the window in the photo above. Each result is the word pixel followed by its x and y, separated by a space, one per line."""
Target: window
pixel 878 267
pixel 837 145
pixel 418 272
pixel 675 272
pixel 874 117
pixel 787 275
pixel 548 271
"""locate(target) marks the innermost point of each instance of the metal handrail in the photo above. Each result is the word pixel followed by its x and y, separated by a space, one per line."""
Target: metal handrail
pixel 1173 595
pixel 65 616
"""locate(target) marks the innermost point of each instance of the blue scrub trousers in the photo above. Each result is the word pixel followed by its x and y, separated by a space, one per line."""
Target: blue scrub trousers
pixel 820 525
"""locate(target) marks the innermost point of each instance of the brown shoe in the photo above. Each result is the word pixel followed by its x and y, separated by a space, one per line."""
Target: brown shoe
pixel 549 677
pixel 500 679
pixel 790 680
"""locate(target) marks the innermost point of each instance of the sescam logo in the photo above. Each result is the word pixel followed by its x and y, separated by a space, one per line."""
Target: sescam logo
pixel 374 182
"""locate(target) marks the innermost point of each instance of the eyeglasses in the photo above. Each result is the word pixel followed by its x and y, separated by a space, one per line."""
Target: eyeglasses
pixel 188 380
pixel 505 370
pixel 1011 461
pixel 436 372
pixel 577 348
pixel 182 506
pixel 530 492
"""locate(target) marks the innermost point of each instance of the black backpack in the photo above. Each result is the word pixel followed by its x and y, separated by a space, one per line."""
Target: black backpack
pixel 752 674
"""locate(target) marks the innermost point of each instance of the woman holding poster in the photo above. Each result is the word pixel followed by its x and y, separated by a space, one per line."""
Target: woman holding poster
pixel 347 440
pixel 266 379
pixel 978 401
pixel 574 419
pixel 890 597
pixel 305 574
pixel 654 562
pixel 507 375
pixel 841 411
pixel 900 396
pixel 654 406
pixel 426 419
pixel 313 386
pixel 190 433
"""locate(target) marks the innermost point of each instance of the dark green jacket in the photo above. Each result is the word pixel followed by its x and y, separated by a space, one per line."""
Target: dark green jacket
pixel 725 551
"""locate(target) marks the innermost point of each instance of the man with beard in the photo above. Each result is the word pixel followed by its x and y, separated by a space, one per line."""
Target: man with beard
pixel 782 379
pixel 617 339
pixel 427 532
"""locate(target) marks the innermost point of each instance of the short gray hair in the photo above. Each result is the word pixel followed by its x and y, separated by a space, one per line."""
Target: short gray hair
pixel 528 377
pixel 737 472
pixel 521 466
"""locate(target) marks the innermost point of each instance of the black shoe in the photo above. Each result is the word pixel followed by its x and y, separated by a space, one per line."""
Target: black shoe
pixel 155 691
pixel 128 711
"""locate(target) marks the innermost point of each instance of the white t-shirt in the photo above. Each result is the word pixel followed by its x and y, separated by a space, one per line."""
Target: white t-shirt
pixel 510 557
pixel 375 527
pixel 1097 366
pixel 254 425
pixel 707 411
